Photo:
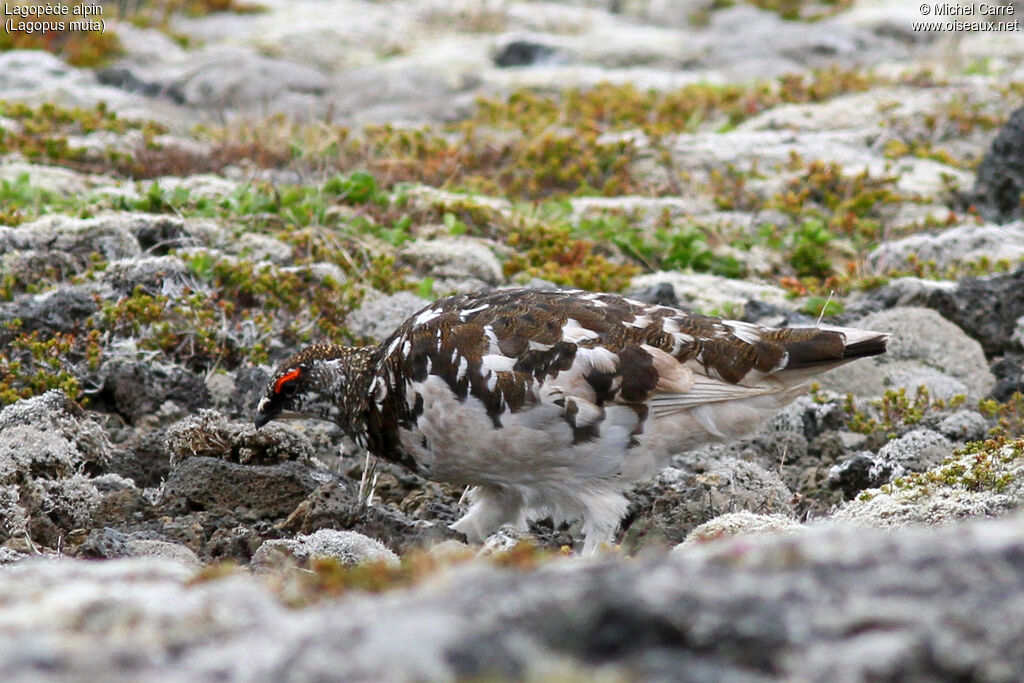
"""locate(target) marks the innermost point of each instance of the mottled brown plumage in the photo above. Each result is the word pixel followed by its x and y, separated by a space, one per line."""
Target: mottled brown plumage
pixel 553 402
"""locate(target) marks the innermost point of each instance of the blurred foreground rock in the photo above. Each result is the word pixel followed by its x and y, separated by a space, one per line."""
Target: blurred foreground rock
pixel 830 603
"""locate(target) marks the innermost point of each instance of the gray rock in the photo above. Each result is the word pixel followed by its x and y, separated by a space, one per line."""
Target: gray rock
pixel 711 294
pixel 239 79
pixel 35 266
pixel 162 550
pixel 505 539
pixel 922 343
pixel 1000 179
pixel 258 491
pixel 104 543
pixel 60 181
pixel 902 291
pixel 37 77
pixel 983 483
pixel 400 91
pixel 862 471
pixel 336 504
pixel 347 547
pixel 525 50
pixel 775 607
pixel 108 236
pixel 1009 372
pixel 58 310
pixel 768 46
pixel 50 415
pixel 266 248
pixel 917 450
pixel 26 69
pixel 380 315
pixel 450 259
pixel 963 244
pixel 964 425
pixel 141 390
pixel 987 308
pixel 156 275
pixel 912 374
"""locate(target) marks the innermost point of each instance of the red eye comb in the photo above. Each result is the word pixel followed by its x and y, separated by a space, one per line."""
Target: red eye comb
pixel 285 378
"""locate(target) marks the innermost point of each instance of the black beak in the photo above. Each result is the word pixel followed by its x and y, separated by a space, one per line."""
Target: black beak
pixel 263 414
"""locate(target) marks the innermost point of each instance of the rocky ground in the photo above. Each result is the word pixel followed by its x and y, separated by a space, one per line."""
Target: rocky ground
pixel 202 193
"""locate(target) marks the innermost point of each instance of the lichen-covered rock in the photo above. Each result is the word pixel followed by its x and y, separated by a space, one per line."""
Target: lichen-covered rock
pixel 233 77
pixel 336 505
pixel 964 244
pixel 347 547
pixel 922 343
pixel 45 443
pixel 738 523
pixel 963 426
pixel 711 294
pixel 156 275
pixel 58 310
pixel 917 450
pixel 861 471
pixel 800 606
pixel 665 509
pixel 984 480
pixel 210 434
pixel 506 538
pixel 110 236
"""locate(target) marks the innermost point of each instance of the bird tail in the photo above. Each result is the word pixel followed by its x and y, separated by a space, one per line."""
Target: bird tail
pixel 828 346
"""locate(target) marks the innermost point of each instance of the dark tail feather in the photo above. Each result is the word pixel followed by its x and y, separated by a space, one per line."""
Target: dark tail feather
pixel 811 347
pixel 863 348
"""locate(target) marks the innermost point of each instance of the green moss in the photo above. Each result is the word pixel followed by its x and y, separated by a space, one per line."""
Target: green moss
pixel 40 133
pixel 979 466
pixel 552 254
pixel 1009 415
pixel 34 363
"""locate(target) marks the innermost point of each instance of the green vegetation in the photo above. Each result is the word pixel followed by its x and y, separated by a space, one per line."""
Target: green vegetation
pixel 791 10
pixel 31 364
pixel 896 411
pixel 991 465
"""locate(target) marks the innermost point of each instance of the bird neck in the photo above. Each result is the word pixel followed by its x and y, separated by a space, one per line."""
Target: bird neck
pixel 345 373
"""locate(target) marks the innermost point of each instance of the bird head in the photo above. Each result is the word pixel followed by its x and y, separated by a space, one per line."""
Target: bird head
pixel 323 382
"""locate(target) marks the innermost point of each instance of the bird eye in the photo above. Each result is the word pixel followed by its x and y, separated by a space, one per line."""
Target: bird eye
pixel 285 384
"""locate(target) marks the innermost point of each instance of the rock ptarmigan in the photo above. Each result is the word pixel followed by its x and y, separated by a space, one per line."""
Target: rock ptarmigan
pixel 554 402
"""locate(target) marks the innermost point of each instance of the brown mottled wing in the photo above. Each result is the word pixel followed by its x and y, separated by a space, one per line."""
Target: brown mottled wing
pixel 501 346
